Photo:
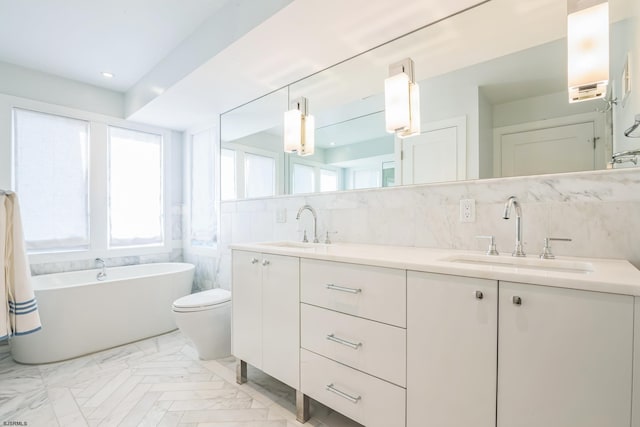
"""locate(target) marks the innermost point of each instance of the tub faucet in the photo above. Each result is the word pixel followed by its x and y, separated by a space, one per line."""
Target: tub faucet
pixel 102 274
pixel 517 251
pixel 315 220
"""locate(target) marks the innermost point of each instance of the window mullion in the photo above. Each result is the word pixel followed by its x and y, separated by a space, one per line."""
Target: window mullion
pixel 98 185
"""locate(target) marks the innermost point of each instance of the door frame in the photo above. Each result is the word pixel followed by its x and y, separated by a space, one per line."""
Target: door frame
pixel 592 117
pixel 460 123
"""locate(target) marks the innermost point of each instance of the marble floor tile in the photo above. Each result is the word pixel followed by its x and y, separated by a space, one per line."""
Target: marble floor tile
pixel 159 381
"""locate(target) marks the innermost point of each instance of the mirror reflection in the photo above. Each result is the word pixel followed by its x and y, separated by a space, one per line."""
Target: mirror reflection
pixel 492 105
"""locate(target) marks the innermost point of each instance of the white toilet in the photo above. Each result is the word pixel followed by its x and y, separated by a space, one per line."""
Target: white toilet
pixel 205 318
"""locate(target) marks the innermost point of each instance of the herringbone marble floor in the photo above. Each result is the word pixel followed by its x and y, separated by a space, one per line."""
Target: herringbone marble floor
pixel 155 382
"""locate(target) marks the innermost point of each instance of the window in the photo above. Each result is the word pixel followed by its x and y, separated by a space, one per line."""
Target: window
pixel 88 185
pixel 303 179
pixel 259 175
pixel 247 172
pixel 51 177
pixel 203 193
pixel 228 189
pixel 328 180
pixel 135 188
pixel 366 178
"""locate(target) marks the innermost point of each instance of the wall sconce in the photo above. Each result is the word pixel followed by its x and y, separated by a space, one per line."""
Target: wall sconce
pixel 299 128
pixel 402 100
pixel 587 49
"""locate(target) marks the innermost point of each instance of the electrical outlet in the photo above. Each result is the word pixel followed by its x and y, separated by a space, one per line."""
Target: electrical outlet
pixel 467 210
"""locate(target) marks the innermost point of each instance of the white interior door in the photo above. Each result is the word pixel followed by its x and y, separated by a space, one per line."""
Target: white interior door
pixel 568 148
pixel 438 154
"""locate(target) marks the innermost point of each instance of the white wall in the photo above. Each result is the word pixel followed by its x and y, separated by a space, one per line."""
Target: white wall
pixel 35 85
pixel 540 108
pixel 485 143
pixel 449 96
pixel 360 150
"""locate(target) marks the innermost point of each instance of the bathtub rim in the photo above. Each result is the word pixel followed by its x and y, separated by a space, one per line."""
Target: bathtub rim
pixel 181 267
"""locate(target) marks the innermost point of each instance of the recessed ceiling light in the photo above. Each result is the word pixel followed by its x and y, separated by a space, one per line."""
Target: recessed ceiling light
pixel 107 75
pixel 332 144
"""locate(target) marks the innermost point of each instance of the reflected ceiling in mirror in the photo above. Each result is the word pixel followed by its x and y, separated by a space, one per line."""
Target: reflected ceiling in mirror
pixel 491 78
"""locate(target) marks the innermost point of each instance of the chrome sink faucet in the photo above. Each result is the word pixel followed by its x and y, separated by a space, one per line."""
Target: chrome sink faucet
pixel 315 221
pixel 517 251
pixel 102 274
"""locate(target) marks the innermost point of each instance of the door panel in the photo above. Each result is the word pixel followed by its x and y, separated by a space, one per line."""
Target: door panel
pixel 567 148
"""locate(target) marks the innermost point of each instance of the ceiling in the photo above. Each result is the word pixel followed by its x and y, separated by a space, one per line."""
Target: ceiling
pixel 78 39
pixel 181 63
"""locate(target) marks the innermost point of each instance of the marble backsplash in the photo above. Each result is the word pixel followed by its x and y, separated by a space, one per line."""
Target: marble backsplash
pixel 599 211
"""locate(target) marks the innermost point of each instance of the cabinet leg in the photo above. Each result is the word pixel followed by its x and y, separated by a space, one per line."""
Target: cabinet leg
pixel 302 407
pixel 241 371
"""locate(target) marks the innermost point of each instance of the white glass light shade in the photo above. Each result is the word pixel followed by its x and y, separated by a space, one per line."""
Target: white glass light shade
pixel 299 133
pixel 292 131
pixel 396 103
pixel 588 52
pixel 402 105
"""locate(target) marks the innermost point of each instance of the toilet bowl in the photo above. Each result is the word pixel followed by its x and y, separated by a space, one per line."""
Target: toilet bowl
pixel 205 318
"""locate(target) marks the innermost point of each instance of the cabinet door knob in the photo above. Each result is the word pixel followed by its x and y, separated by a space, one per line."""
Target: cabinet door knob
pixel 265 262
pixel 517 300
pixel 254 260
pixel 479 295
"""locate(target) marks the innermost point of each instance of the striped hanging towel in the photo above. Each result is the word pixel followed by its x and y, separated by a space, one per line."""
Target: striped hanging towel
pixel 18 307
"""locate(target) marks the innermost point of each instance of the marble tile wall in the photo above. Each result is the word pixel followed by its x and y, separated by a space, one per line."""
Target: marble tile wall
pixel 600 211
pixel 206 275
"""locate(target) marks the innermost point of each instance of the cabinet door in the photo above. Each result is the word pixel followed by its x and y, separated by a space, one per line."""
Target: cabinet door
pixel 281 318
pixel 246 302
pixel 565 357
pixel 451 351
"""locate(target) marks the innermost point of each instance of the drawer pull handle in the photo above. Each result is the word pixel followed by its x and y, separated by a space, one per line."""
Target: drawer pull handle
pixel 343 289
pixel 479 295
pixel 254 260
pixel 350 344
pixel 342 394
pixel 265 262
pixel 517 300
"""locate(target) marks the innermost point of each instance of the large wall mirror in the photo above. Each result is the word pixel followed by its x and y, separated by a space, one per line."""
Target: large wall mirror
pixel 494 103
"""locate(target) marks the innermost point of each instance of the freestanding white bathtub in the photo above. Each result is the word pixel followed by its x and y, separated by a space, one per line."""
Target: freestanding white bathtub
pixel 81 315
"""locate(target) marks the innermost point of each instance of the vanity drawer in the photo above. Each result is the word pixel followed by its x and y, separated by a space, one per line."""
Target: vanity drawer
pixel 375 293
pixel 366 399
pixel 371 347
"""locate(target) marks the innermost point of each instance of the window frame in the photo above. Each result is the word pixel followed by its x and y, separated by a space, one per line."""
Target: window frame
pixel 98 178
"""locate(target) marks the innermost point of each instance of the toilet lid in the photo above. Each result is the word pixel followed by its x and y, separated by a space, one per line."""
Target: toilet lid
pixel 203 299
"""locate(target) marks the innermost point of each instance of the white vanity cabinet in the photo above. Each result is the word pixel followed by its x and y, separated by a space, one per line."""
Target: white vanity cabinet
pixel 452 325
pixel 402 339
pixel 353 339
pixel 266 313
pixel 565 357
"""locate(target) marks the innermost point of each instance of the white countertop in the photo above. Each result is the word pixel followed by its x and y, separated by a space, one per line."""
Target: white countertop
pixel 592 274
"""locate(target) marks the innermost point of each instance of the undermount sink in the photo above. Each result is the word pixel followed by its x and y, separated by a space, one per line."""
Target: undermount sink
pixel 564 266
pixel 291 244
